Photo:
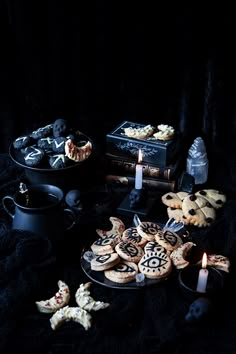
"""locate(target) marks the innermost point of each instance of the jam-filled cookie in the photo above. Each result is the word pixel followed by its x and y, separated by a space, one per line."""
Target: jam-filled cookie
pixel 105 261
pixel 148 230
pixel 213 196
pixel 174 200
pixel 123 272
pixel 198 210
pixel 155 265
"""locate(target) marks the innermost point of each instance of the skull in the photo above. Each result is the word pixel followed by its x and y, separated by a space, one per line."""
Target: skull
pixel 135 198
pixel 60 127
pixel 198 310
pixel 73 198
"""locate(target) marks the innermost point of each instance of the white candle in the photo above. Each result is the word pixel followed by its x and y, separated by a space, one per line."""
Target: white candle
pixel 202 276
pixel 139 172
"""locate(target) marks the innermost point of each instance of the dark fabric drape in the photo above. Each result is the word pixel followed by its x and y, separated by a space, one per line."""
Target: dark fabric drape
pixel 99 64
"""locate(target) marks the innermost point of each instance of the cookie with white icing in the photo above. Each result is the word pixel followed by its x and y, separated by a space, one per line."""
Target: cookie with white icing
pixel 103 262
pixel 33 156
pixel 215 197
pixel 58 145
pixel 165 132
pixel 45 143
pixel 58 161
pixel 174 200
pixel 155 265
pixel 198 210
pixel 148 230
pixel 22 142
pixel 129 251
pixel 168 239
pixel 131 235
pixel 42 132
pixel 123 272
pixel 178 256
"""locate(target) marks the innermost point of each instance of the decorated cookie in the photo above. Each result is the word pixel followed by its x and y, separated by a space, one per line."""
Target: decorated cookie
pixel 198 210
pixel 42 132
pixel 213 196
pixel 153 246
pixel 22 142
pixel 139 133
pixel 148 230
pixel 131 235
pixel 155 265
pixel 123 272
pixel 103 245
pixel 129 251
pixel 33 156
pixel 58 161
pixel 178 256
pixel 117 228
pixel 165 132
pixel 58 145
pixel 105 261
pixel 168 239
pixel 45 143
pixel 174 200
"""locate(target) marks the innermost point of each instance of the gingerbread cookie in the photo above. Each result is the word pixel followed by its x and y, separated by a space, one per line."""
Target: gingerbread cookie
pixel 148 230
pixel 198 210
pixel 131 235
pixel 155 265
pixel 139 133
pixel 129 251
pixel 123 272
pixel 179 254
pixel 174 200
pixel 168 239
pixel 213 196
pixel 105 261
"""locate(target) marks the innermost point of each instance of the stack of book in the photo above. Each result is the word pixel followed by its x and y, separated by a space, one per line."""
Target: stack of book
pixel 121 170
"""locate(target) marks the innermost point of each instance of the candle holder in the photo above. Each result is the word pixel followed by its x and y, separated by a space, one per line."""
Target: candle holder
pixel 138 201
pixel 188 278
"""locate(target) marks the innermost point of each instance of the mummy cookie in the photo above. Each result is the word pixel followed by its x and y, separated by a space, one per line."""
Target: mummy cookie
pixel 131 235
pixel 33 156
pixel 75 314
pixel 60 299
pixel 174 200
pixel 105 261
pixel 216 198
pixel 117 229
pixel 218 261
pixel 22 142
pixel 155 265
pixel 42 132
pixel 139 133
pixel 198 210
pixel 123 272
pixel 85 301
pixel 129 251
pixel 165 132
pixel 169 240
pixel 178 256
pixel 103 245
pixel 148 230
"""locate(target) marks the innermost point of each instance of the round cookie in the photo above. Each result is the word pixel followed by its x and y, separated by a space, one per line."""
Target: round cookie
pixel 155 265
pixel 22 142
pixel 198 210
pixel 123 272
pixel 178 215
pixel 58 161
pixel 169 240
pixel 131 235
pixel 148 229
pixel 153 246
pixel 165 132
pixel 103 246
pixel 174 200
pixel 45 143
pixel 129 251
pixel 179 254
pixel 105 261
pixel 33 156
pixel 42 132
pixel 213 196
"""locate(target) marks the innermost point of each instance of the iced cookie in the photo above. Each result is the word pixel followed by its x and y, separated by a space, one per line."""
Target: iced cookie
pixel 198 210
pixel 123 272
pixel 105 261
pixel 169 240
pixel 22 142
pixel 103 245
pixel 33 156
pixel 155 265
pixel 58 161
pixel 153 246
pixel 148 230
pixel 42 132
pixel 178 256
pixel 174 200
pixel 165 132
pixel 139 133
pixel 215 197
pixel 129 251
pixel 131 235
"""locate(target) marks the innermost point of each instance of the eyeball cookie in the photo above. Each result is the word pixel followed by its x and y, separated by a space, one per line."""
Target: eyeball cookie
pixel 131 235
pixel 155 265
pixel 123 272
pixel 148 230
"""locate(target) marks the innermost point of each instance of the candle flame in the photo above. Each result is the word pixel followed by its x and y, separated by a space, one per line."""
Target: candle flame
pixel 140 156
pixel 204 260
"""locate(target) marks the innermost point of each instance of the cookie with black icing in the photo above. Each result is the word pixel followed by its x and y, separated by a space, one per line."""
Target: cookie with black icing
pixel 174 200
pixel 155 265
pixel 168 239
pixel 103 245
pixel 105 261
pixel 123 272
pixel 22 142
pixel 42 132
pixel 33 155
pixel 131 235
pixel 153 246
pixel 129 251
pixel 148 229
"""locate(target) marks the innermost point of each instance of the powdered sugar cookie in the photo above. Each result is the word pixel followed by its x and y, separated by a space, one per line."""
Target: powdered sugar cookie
pixel 179 254
pixel 139 133
pixel 148 229
pixel 174 200
pixel 213 196
pixel 123 272
pixel 198 210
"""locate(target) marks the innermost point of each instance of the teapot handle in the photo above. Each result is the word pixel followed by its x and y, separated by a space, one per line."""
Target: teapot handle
pixel 69 211
pixel 7 197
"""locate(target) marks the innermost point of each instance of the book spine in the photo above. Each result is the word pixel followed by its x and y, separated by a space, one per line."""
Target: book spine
pixel 128 167
pixel 148 183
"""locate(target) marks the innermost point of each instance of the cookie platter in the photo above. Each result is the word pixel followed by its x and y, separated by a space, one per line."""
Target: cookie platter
pixel 98 277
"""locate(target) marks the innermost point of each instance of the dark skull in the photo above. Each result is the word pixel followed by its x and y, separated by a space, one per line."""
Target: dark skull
pixel 198 310
pixel 135 198
pixel 60 127
pixel 73 198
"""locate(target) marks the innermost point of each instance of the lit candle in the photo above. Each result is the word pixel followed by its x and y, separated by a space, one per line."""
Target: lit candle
pixel 203 275
pixel 139 172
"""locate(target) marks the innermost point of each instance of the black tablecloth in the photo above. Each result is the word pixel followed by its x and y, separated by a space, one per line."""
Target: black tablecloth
pixel 146 320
